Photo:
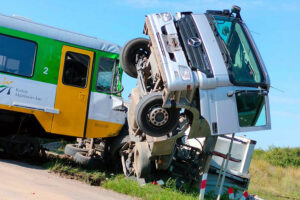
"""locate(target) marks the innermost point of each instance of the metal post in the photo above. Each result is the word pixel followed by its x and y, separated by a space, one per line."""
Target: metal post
pixel 226 165
pixel 203 186
pixel 208 147
pixel 220 173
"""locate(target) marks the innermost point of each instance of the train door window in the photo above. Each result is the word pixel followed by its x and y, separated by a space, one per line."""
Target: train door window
pixel 105 74
pixel 76 69
pixel 17 56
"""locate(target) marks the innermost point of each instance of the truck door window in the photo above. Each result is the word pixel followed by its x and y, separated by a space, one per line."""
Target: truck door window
pixel 76 69
pixel 105 74
pixel 17 56
pixel 251 109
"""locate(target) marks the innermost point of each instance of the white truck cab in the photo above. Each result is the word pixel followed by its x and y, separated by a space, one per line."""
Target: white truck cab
pixel 206 64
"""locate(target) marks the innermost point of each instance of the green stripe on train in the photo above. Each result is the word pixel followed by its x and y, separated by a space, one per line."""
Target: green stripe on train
pixel 49 55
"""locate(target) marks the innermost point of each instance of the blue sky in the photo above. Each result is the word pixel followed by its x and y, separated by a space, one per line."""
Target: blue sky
pixel 275 26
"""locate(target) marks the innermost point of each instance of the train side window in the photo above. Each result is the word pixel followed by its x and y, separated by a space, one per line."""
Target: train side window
pixel 17 56
pixel 76 69
pixel 105 74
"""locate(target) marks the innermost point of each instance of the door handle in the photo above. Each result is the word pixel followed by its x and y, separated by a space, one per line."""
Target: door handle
pixel 230 93
pixel 81 96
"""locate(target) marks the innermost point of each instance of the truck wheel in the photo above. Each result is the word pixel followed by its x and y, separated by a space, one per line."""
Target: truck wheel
pixel 142 162
pixel 72 149
pixel 153 119
pixel 83 158
pixel 116 145
pixel 130 54
pixel 119 142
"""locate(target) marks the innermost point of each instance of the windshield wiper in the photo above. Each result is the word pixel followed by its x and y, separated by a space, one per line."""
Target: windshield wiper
pixel 228 55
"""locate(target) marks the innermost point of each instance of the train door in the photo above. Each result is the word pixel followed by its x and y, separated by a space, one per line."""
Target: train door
pixel 73 90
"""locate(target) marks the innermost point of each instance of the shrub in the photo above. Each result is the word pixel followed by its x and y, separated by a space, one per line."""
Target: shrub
pixel 284 157
pixel 259 154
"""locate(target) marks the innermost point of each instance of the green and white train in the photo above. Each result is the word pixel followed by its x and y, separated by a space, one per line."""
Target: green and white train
pixel 69 82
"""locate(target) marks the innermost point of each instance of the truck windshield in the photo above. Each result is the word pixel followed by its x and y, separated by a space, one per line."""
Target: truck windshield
pixel 243 65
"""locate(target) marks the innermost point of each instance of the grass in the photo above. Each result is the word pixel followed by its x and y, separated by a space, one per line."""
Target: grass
pixel 119 182
pixel 68 168
pixel 275 175
pixel 151 192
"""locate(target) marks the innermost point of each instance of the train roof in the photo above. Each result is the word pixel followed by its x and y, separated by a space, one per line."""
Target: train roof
pixel 27 25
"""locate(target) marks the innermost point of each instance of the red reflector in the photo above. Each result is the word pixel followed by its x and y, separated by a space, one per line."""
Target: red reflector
pixel 230 190
pixel 154 182
pixel 203 184
pixel 188 87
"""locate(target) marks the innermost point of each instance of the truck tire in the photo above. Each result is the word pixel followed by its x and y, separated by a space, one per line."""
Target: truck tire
pixel 142 163
pixel 136 48
pixel 72 149
pixel 83 158
pixel 119 142
pixel 154 120
pixel 115 147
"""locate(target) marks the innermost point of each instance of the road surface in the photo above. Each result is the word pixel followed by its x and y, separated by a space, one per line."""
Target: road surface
pixel 19 181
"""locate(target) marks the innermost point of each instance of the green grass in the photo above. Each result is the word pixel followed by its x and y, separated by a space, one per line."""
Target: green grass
pixel 70 169
pixel 119 182
pixel 275 175
pixel 152 192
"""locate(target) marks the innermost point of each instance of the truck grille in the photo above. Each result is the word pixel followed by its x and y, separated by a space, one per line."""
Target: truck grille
pixel 196 56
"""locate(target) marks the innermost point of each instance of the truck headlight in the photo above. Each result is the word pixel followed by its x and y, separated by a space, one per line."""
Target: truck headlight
pixel 166 16
pixel 185 73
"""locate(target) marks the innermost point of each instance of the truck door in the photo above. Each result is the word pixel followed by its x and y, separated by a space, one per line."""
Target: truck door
pixel 73 89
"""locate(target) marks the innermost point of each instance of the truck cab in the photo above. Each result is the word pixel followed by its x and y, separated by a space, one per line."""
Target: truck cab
pixel 206 66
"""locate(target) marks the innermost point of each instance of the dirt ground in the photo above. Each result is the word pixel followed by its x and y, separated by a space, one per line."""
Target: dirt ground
pixel 23 181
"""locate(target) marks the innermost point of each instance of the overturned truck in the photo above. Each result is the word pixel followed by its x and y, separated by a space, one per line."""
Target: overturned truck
pixel 198 76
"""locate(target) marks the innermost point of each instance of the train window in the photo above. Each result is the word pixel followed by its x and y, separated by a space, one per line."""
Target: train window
pixel 105 74
pixel 76 69
pixel 17 56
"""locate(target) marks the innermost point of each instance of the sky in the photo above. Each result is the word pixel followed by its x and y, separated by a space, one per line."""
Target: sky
pixel 274 24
